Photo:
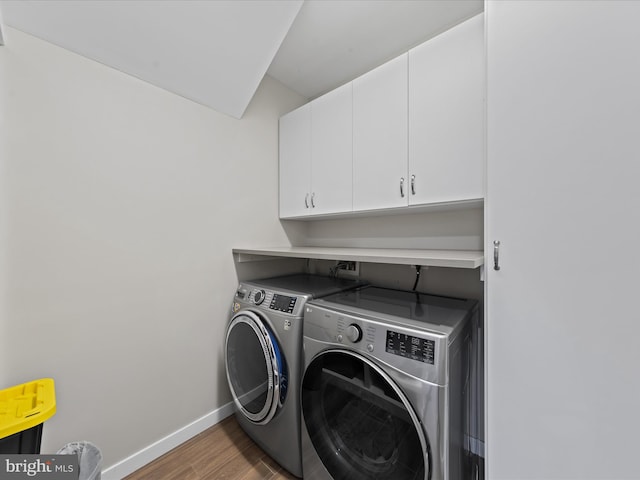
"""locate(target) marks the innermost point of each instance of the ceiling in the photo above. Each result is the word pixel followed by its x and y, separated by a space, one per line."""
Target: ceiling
pixel 216 52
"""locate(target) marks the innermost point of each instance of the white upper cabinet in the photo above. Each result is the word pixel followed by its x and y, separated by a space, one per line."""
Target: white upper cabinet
pixel 380 137
pixel 408 133
pixel 316 156
pixel 331 145
pixel 295 162
pixel 446 114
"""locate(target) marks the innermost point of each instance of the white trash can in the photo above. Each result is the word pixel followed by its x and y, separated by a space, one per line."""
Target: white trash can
pixel 89 459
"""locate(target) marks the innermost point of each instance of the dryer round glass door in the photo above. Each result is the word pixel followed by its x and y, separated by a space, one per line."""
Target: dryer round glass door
pixel 256 369
pixel 360 423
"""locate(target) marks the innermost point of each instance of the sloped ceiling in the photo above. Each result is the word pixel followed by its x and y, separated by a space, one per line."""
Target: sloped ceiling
pixel 333 42
pixel 216 52
pixel 213 52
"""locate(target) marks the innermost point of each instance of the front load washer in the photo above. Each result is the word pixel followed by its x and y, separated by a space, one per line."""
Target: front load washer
pixel 384 388
pixel 263 358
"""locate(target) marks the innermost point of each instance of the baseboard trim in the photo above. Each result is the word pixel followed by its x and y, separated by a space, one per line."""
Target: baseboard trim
pixel 162 446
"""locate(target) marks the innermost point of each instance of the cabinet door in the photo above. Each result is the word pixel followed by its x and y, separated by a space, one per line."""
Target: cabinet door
pixel 331 152
pixel 446 114
pixel 563 199
pixel 295 162
pixel 380 137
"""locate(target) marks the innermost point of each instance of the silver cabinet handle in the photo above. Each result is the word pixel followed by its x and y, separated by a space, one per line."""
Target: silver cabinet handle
pixel 306 200
pixel 402 187
pixel 413 184
pixel 313 196
pixel 496 254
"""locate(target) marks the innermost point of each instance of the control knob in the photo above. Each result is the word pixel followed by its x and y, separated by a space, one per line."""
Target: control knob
pixel 258 297
pixel 354 333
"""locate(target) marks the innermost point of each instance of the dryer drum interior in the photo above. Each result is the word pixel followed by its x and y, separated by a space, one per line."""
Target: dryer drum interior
pixel 360 424
pixel 256 369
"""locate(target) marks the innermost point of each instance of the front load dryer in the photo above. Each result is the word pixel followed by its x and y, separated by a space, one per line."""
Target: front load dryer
pixel 384 387
pixel 263 359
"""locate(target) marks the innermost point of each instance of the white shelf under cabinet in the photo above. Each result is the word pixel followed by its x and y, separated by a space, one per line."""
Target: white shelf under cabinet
pixel 429 258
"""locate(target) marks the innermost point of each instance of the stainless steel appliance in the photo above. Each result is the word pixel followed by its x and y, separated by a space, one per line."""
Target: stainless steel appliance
pixel 384 389
pixel 263 357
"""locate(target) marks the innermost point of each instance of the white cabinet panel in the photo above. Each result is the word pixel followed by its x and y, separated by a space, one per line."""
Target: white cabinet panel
pixel 563 199
pixel 446 115
pixel 409 132
pixel 295 162
pixel 331 151
pixel 380 137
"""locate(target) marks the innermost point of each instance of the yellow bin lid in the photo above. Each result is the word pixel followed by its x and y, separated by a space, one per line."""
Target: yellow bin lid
pixel 25 406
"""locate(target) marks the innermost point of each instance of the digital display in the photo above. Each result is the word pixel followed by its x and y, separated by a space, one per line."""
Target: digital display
pixel 408 346
pixel 283 303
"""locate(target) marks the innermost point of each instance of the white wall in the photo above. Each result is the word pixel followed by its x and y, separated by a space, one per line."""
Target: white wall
pixel 120 205
pixel 449 229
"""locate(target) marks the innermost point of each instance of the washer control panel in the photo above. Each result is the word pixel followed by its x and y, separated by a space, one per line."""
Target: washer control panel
pixel 416 351
pixel 349 331
pixel 354 333
pixel 410 346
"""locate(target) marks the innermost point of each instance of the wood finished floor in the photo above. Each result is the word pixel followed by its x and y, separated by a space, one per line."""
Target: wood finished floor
pixel 222 452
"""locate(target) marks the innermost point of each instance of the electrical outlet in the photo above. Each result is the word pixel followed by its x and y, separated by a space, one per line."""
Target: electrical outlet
pixel 348 269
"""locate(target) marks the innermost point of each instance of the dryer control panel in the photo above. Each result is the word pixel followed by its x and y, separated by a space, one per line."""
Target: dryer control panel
pixel 283 303
pixel 286 296
pixel 265 299
pixel 273 301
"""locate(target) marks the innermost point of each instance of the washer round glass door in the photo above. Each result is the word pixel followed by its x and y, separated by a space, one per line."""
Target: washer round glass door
pixel 256 369
pixel 360 423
